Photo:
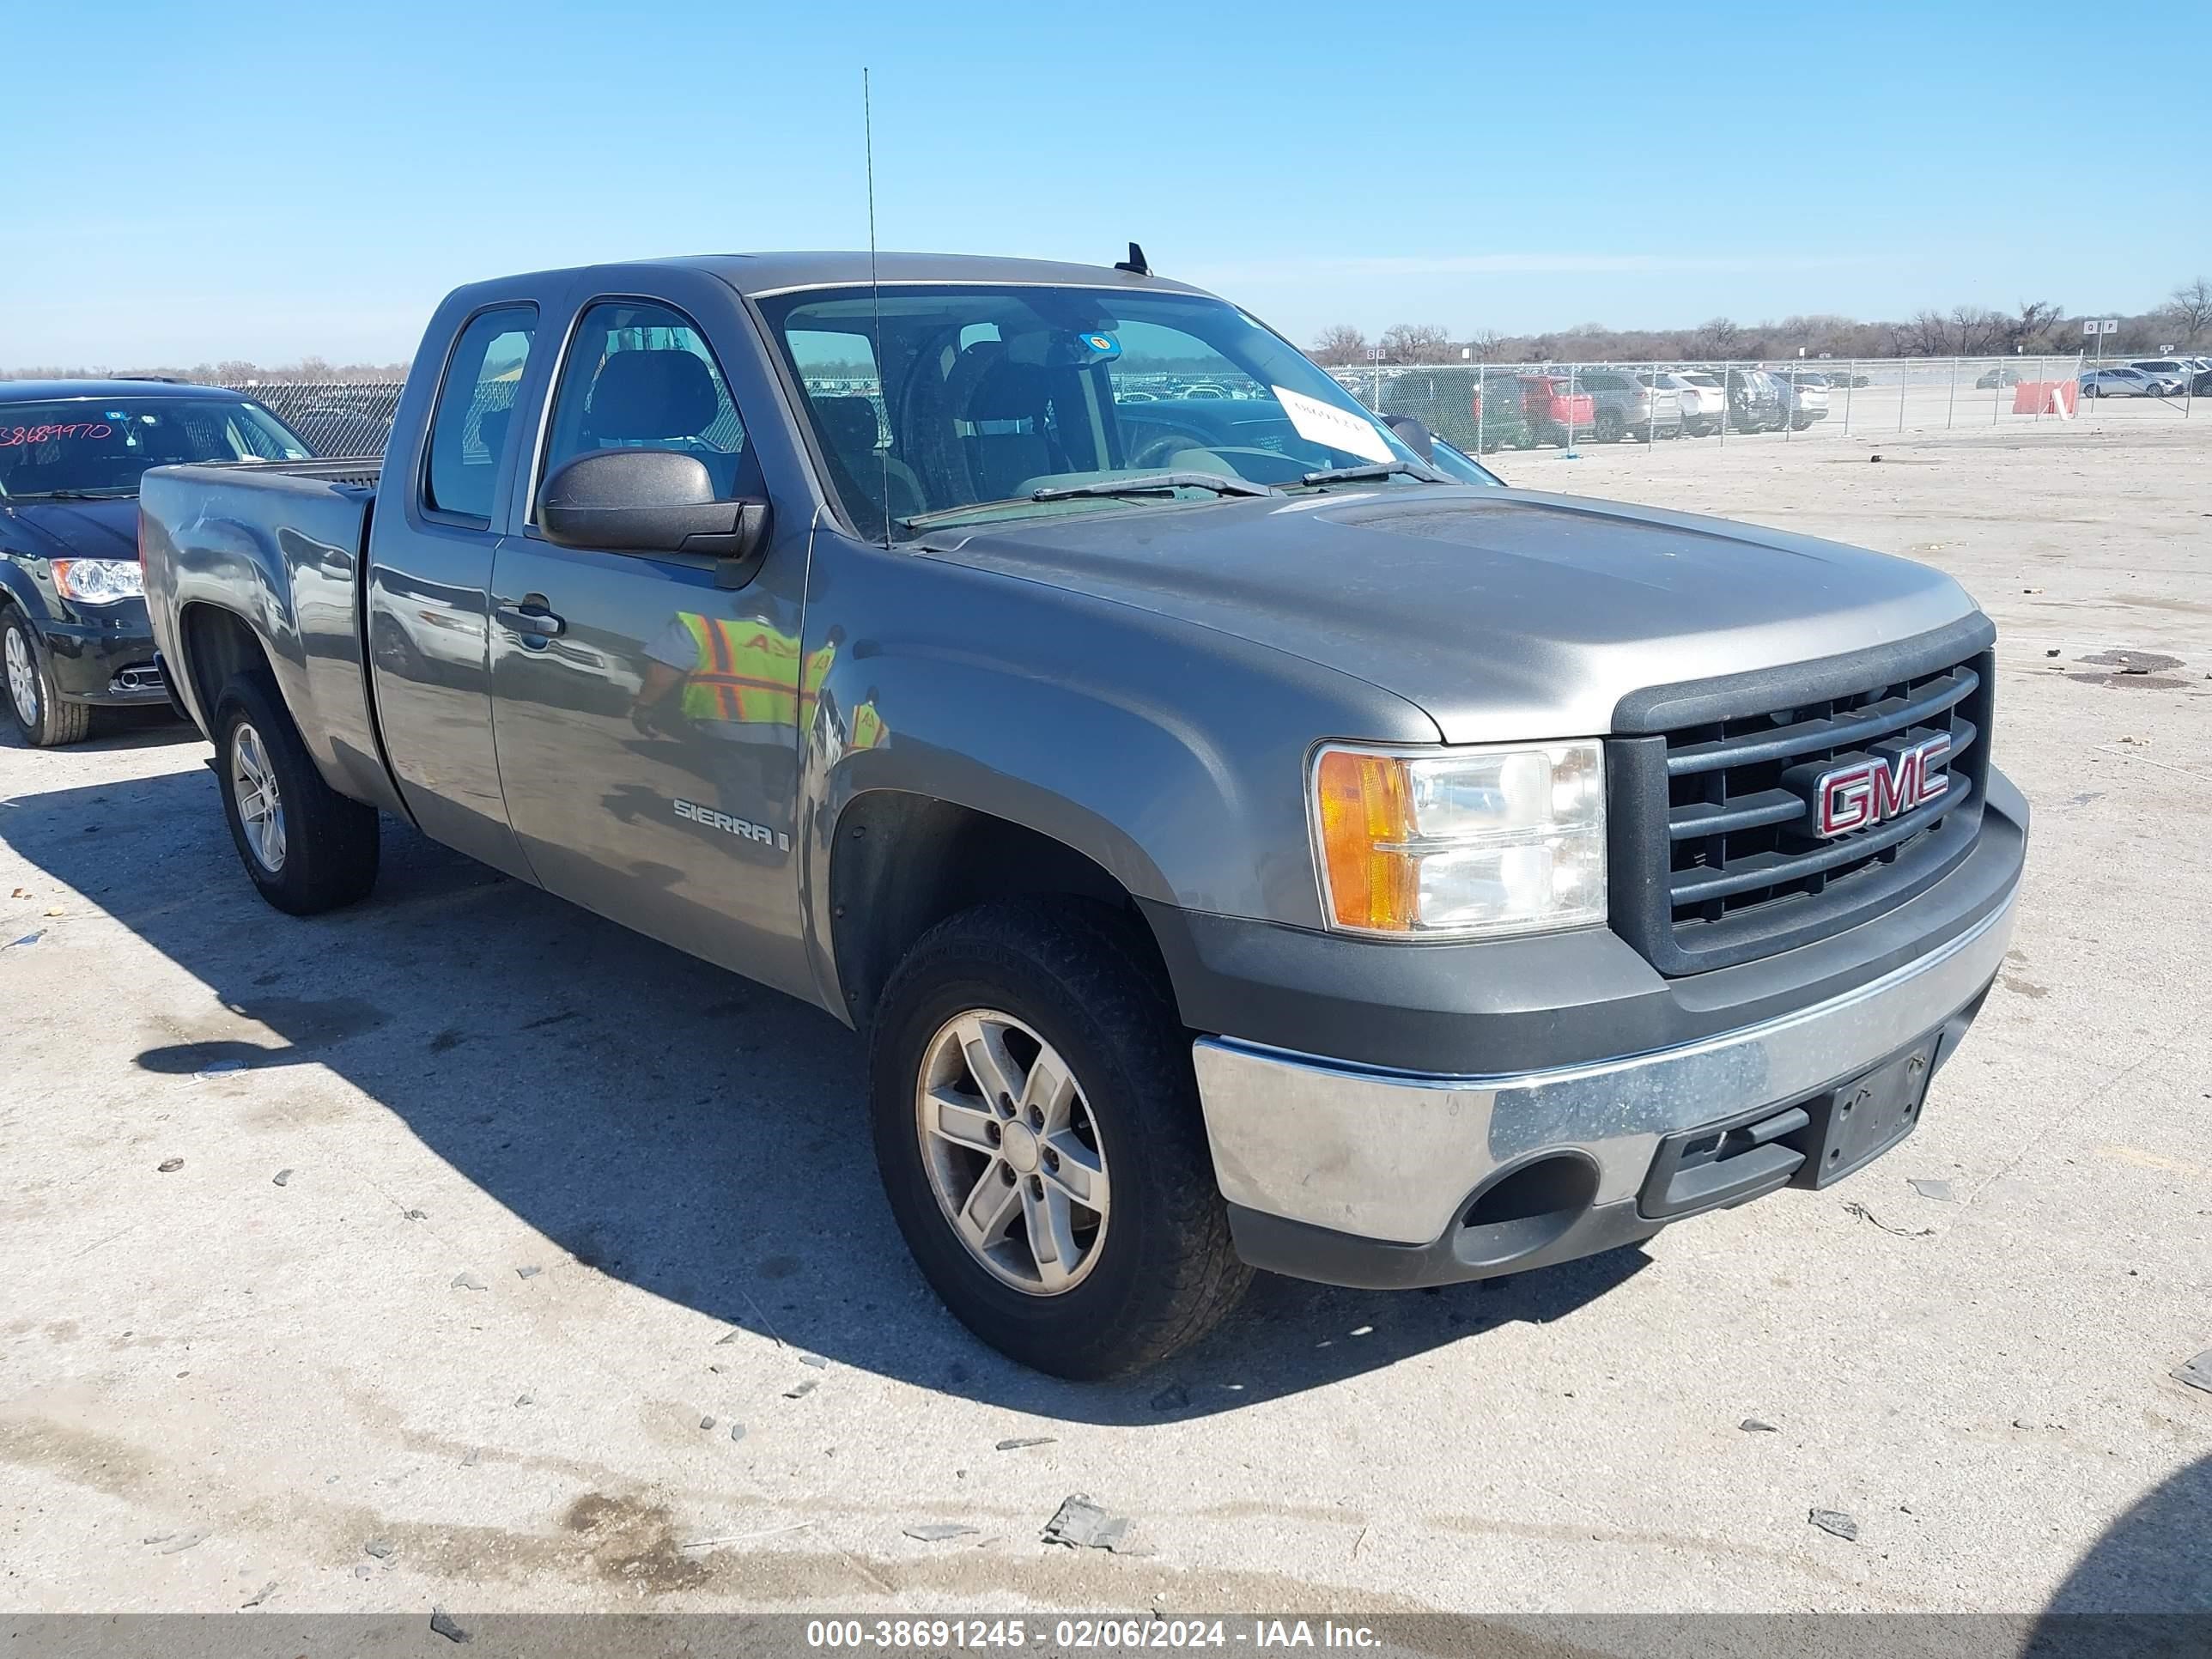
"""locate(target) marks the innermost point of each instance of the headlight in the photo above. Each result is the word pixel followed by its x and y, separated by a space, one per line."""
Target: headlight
pixel 1461 843
pixel 100 581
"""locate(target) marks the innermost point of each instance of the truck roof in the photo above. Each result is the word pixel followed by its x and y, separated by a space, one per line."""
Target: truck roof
pixel 757 274
pixel 47 391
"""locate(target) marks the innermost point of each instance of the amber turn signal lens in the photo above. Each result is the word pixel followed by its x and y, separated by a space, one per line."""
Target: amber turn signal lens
pixel 1365 808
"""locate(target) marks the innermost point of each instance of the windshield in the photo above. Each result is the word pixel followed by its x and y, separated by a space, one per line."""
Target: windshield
pixel 985 396
pixel 67 447
pixel 1460 467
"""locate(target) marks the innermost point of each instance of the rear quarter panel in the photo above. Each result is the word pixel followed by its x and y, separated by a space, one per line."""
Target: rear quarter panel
pixel 281 551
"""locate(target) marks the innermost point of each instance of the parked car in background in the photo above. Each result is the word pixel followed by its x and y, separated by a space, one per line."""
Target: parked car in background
pixel 1557 406
pixel 2170 375
pixel 1478 410
pixel 74 635
pixel 1625 407
pixel 2120 383
pixel 1755 401
pixel 1703 402
pixel 1804 396
pixel 1990 378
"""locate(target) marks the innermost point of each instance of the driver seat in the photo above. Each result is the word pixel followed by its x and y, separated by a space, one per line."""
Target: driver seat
pixel 1004 408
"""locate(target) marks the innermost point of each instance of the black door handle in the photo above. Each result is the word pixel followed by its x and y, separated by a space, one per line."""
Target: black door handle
pixel 532 621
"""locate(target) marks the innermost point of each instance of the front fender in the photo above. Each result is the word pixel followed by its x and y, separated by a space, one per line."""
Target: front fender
pixel 1171 754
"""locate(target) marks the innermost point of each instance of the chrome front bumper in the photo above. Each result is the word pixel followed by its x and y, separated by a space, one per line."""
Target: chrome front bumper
pixel 1392 1155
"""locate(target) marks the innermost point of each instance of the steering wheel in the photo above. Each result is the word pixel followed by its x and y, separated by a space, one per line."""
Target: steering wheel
pixel 1154 452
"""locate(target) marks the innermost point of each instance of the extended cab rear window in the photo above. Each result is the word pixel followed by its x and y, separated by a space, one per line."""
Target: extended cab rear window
pixel 468 433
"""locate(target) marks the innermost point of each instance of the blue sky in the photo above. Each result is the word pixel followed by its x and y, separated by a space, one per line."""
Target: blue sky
pixel 201 181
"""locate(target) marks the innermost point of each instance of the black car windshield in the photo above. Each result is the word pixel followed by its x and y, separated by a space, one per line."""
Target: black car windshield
pixel 74 448
pixel 987 396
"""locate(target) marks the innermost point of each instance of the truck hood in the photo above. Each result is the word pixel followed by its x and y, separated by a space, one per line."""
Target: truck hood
pixel 1504 614
pixel 75 530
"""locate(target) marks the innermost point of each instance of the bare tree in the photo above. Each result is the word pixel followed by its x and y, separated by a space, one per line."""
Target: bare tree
pixel 1928 334
pixel 1486 343
pixel 1415 343
pixel 1340 345
pixel 2031 325
pixel 1976 330
pixel 2189 306
pixel 1718 338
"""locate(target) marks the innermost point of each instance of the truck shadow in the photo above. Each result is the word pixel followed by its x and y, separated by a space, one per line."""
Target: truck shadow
pixel 2144 1589
pixel 659 1121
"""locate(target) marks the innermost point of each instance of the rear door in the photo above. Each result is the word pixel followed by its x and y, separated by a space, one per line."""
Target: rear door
pixel 428 600
pixel 648 720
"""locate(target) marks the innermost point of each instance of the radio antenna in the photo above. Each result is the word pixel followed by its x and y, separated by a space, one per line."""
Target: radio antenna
pixel 876 295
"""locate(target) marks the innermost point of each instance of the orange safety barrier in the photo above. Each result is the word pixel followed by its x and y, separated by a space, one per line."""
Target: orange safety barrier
pixel 2047 397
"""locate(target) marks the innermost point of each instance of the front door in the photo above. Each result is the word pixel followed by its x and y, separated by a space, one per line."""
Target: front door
pixel 647 720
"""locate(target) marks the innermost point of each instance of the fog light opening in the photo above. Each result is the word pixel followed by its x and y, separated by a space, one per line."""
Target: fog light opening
pixel 1525 1210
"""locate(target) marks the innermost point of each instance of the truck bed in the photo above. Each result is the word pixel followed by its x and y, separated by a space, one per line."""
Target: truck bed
pixel 279 545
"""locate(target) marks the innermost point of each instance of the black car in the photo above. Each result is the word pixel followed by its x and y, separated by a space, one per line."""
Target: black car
pixel 73 629
pixel 1755 401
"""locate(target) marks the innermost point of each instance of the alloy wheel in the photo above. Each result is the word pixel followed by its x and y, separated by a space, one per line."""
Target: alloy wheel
pixel 260 809
pixel 1012 1152
pixel 22 677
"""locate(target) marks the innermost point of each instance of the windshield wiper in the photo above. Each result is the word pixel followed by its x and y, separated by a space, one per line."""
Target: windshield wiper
pixel 1373 472
pixel 112 493
pixel 1155 484
pixel 1151 484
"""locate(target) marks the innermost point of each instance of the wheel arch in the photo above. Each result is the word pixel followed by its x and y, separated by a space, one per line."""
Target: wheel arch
pixel 217 643
pixel 901 862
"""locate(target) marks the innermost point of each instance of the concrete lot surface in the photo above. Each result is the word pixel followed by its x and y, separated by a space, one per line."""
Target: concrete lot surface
pixel 508 1221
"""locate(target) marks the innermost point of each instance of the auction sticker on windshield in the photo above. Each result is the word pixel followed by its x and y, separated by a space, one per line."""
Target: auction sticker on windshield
pixel 1323 424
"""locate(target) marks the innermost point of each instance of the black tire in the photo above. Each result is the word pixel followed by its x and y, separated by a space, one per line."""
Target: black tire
pixel 51 722
pixel 329 851
pixel 1085 978
pixel 1610 427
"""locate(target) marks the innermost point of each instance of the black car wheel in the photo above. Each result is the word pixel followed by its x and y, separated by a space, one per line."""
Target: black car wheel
pixel 307 847
pixel 1611 428
pixel 1037 1127
pixel 44 720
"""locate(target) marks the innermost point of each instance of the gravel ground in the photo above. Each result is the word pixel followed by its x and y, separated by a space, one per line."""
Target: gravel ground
pixel 436 1251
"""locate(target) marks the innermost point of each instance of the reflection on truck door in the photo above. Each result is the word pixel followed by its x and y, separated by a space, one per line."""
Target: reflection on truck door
pixel 649 748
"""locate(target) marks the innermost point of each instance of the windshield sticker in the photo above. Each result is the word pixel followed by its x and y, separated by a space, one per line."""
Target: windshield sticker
pixel 18 437
pixel 1324 423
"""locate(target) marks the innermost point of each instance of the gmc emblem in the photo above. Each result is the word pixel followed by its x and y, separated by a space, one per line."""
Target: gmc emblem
pixel 1863 791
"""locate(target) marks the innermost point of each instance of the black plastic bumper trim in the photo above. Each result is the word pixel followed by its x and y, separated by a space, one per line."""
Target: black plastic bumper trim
pixel 1299 1249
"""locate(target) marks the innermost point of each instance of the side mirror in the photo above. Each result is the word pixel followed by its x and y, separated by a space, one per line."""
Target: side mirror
pixel 1413 435
pixel 647 500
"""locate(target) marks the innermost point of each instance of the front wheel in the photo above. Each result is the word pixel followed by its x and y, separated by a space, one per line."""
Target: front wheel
pixel 1039 1131
pixel 44 720
pixel 307 847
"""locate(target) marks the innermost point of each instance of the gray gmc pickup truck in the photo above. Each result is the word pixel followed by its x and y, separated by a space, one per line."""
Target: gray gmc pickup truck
pixel 1246 834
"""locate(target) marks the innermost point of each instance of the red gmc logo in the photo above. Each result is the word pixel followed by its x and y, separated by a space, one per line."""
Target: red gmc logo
pixel 1862 794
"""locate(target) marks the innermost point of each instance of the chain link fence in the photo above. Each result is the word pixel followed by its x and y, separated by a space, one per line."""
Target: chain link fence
pixel 343 418
pixel 1484 407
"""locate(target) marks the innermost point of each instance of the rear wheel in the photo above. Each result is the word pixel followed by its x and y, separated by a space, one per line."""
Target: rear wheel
pixel 307 847
pixel 1610 427
pixel 44 720
pixel 1039 1131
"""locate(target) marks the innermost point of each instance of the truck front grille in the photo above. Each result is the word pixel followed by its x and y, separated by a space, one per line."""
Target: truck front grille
pixel 1716 859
